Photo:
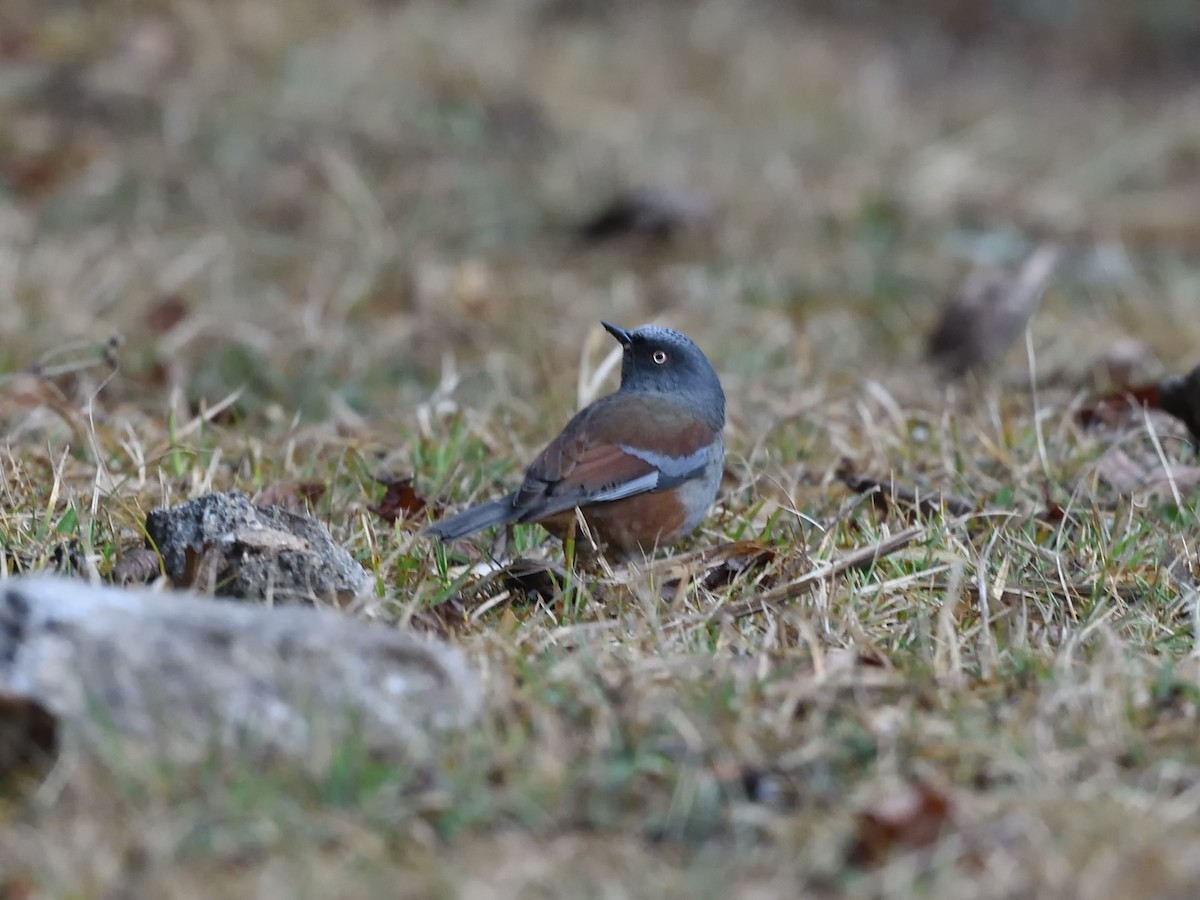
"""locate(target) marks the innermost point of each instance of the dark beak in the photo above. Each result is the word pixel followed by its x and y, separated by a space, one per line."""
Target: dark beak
pixel 619 333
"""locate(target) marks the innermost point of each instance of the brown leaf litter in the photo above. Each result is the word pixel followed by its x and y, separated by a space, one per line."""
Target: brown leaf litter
pixel 1146 477
pixel 400 500
pixel 1178 396
pixel 911 818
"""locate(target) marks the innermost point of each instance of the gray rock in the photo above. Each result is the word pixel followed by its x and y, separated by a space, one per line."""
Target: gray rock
pixel 181 674
pixel 252 552
pixel 989 312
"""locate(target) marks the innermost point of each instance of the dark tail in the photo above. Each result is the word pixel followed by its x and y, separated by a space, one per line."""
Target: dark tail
pixel 474 519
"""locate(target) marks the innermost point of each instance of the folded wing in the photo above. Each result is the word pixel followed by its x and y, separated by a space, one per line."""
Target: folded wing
pixel 602 456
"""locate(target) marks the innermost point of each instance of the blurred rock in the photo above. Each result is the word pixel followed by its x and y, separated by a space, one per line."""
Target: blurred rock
pixel 181 675
pixel 252 552
pixel 652 214
pixel 989 313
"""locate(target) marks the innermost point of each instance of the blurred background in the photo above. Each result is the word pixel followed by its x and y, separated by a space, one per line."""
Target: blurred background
pixel 342 206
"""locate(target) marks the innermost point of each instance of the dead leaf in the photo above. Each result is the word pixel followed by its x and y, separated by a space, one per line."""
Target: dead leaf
pixel 1111 409
pixel 1146 478
pixel 400 500
pixel 651 213
pixel 1178 396
pixel 165 314
pixel 201 567
pixel 910 819
pixel 32 177
pixel 884 494
pixel 296 496
pixel 17 887
pixel 137 566
pixel 15 40
pixel 1119 470
pixel 51 158
pixel 735 561
pixel 509 623
pixel 31 391
pixel 28 735
pixel 989 312
pixel 1186 480
pixel 721 566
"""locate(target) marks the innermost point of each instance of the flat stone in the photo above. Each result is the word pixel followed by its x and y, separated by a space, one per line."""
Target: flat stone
pixel 253 552
pixel 183 674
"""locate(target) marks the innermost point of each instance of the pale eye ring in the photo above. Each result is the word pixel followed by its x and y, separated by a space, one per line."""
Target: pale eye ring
pixel 659 357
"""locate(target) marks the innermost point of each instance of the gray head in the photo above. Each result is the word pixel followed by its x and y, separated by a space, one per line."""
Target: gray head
pixel 660 360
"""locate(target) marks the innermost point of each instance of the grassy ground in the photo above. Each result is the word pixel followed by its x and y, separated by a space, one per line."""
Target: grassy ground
pixel 331 238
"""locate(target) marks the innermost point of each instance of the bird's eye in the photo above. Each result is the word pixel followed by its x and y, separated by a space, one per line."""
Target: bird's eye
pixel 659 357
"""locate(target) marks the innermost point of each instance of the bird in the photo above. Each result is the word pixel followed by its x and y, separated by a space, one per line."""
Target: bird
pixel 642 464
pixel 1179 395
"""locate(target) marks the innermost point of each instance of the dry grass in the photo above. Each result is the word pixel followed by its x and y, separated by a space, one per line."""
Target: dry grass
pixel 331 240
